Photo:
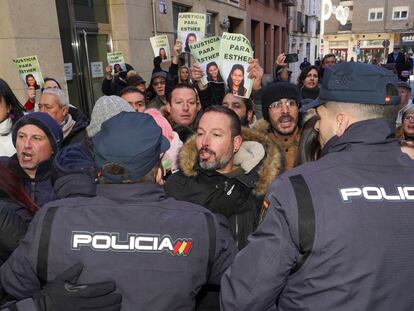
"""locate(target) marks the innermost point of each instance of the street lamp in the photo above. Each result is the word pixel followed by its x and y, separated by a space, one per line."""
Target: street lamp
pixel 341 13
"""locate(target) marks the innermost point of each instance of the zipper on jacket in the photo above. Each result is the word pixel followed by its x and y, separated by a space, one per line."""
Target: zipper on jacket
pixel 237 231
pixel 32 190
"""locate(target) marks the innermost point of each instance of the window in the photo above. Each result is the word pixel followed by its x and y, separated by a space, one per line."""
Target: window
pixel 299 24
pixel 210 24
pixel 306 23
pixel 376 14
pixel 91 11
pixel 400 12
pixel 178 8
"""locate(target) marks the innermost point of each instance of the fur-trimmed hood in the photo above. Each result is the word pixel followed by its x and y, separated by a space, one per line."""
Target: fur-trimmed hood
pixel 270 166
pixel 262 126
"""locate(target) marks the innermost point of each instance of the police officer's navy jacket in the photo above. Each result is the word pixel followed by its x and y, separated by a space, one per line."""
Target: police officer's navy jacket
pixel 155 249
pixel 359 222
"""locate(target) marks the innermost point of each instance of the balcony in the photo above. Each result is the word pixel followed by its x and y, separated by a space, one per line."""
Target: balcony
pixel 346 27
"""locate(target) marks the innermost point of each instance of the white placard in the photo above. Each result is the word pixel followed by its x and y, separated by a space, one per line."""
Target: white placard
pixel 97 70
pixel 68 71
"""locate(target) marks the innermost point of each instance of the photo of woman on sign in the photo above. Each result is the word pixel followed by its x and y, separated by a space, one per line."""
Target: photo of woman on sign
pixel 235 80
pixel 213 73
pixel 163 54
pixel 31 82
pixel 191 38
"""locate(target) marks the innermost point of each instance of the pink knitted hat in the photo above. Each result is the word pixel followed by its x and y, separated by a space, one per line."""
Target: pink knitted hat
pixel 162 122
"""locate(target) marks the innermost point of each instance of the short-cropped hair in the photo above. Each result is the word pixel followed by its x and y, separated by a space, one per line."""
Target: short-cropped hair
pixel 63 99
pixel 235 122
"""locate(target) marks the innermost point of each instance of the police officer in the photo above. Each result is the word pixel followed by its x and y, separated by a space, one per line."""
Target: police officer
pixel 158 251
pixel 338 233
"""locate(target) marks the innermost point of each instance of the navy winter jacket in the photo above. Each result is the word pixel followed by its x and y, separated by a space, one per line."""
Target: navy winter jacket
pixel 358 222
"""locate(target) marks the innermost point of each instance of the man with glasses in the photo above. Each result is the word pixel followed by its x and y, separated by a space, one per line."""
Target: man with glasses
pixel 280 108
pixel 158 82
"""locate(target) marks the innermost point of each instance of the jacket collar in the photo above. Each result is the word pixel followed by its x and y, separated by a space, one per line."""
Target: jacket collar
pixel 269 168
pixel 42 172
pixel 131 193
pixel 362 134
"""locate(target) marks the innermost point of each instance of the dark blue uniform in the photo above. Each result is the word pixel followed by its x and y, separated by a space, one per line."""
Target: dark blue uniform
pixel 362 232
pixel 158 251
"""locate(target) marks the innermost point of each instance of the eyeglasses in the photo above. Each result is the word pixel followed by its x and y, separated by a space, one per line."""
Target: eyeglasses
pixel 409 118
pixel 290 103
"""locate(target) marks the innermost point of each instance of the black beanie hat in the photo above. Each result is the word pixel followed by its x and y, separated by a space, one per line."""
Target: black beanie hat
pixel 43 121
pixel 276 91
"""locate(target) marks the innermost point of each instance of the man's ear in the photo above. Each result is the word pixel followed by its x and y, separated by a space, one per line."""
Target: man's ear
pixel 65 110
pixel 343 121
pixel 237 141
pixel 198 106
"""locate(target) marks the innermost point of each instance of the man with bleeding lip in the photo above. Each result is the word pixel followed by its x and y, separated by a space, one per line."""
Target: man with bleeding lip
pixel 280 108
pixel 37 137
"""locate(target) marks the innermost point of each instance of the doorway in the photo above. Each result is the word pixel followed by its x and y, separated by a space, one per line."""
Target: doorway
pixel 86 38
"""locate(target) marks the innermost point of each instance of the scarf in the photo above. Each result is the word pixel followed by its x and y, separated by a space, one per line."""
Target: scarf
pixel 67 125
pixel 6 127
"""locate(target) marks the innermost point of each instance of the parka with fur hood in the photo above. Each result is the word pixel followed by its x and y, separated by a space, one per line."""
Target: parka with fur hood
pixel 238 197
pixel 288 145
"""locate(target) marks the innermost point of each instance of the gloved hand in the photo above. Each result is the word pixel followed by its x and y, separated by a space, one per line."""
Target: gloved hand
pixel 65 294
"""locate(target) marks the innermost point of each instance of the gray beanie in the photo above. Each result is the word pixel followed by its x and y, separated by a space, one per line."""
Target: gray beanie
pixel 105 108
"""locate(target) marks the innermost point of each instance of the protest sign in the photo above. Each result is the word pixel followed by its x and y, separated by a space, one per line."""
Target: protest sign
pixel 29 71
pixel 206 54
pixel 161 47
pixel 191 28
pixel 235 52
pixel 116 60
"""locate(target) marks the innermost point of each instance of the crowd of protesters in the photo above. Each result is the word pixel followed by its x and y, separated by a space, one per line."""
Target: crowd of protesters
pixel 146 205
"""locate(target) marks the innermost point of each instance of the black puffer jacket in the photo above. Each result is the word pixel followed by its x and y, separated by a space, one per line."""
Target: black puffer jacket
pixel 78 132
pixel 39 188
pixel 14 220
pixel 239 198
pixel 113 86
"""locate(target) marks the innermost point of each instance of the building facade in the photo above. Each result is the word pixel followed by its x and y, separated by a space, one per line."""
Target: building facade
pixel 267 29
pixel 71 37
pixel 304 33
pixel 372 30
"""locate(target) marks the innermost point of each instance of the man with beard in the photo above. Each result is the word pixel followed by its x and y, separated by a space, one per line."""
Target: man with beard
pixel 280 108
pixel 243 107
pixel 226 169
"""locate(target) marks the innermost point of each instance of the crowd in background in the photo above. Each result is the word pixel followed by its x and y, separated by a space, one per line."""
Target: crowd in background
pixel 51 151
